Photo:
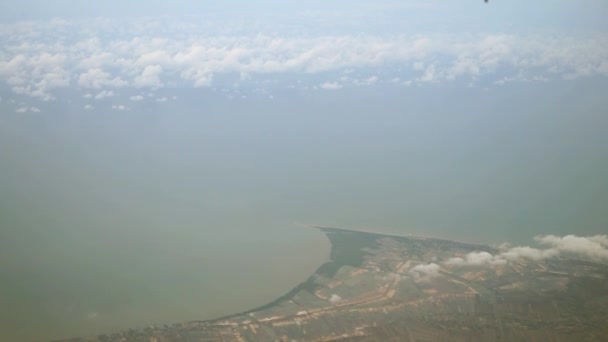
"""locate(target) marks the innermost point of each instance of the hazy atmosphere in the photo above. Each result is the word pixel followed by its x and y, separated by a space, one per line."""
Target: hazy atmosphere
pixel 161 162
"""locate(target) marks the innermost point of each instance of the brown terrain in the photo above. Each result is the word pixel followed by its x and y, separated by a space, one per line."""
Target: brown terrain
pixel 380 287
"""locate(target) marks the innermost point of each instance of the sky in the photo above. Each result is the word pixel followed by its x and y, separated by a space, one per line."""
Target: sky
pixel 157 145
pixel 560 13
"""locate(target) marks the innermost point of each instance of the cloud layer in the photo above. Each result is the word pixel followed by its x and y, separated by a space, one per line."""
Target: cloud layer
pixel 594 248
pixel 37 58
pixel 591 248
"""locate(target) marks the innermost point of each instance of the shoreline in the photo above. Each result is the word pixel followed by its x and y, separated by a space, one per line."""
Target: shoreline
pixel 394 235
pixel 370 278
pixel 325 230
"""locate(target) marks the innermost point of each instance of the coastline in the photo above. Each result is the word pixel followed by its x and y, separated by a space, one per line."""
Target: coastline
pixel 326 232
pixel 374 282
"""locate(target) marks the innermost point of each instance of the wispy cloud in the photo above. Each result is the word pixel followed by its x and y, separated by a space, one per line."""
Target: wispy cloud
pixel 330 85
pixel 104 94
pixel 120 107
pixel 25 109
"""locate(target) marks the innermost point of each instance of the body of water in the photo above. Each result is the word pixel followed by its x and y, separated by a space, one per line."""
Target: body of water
pixel 190 209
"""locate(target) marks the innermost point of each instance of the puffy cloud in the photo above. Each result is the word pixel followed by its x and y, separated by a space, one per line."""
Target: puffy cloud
pixel 601 239
pixel 425 272
pixel 187 54
pixel 35 73
pixel 150 77
pixel 594 248
pixel 97 78
pixel 200 77
pixel 157 57
pixel 88 107
pixel 476 259
pixel 528 253
pixel 98 59
pixel 136 98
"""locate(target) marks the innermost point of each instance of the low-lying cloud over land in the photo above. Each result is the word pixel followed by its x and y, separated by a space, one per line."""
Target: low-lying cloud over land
pixel 593 248
pixel 425 272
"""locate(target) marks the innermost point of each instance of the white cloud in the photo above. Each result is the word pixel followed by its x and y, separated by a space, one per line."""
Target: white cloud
pixel 119 107
pixel 334 298
pixel 184 54
pixel 97 59
pixel 528 253
pixel 157 57
pixel 97 78
pixel 150 77
pixel 425 272
pixel 26 109
pixel 593 248
pixel 104 94
pixel 367 82
pixel 476 259
pixel 331 86
pixel 601 239
pixel 31 91
pixel 33 72
pixel 136 98
pixel 429 75
pixel 88 107
pixel 161 99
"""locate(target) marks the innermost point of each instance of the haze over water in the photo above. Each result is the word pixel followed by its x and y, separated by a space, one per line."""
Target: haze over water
pixel 178 186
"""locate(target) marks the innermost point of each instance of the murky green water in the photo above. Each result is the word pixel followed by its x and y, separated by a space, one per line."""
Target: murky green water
pixel 189 211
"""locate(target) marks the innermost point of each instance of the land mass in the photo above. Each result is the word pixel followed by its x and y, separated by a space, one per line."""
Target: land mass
pixel 379 287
